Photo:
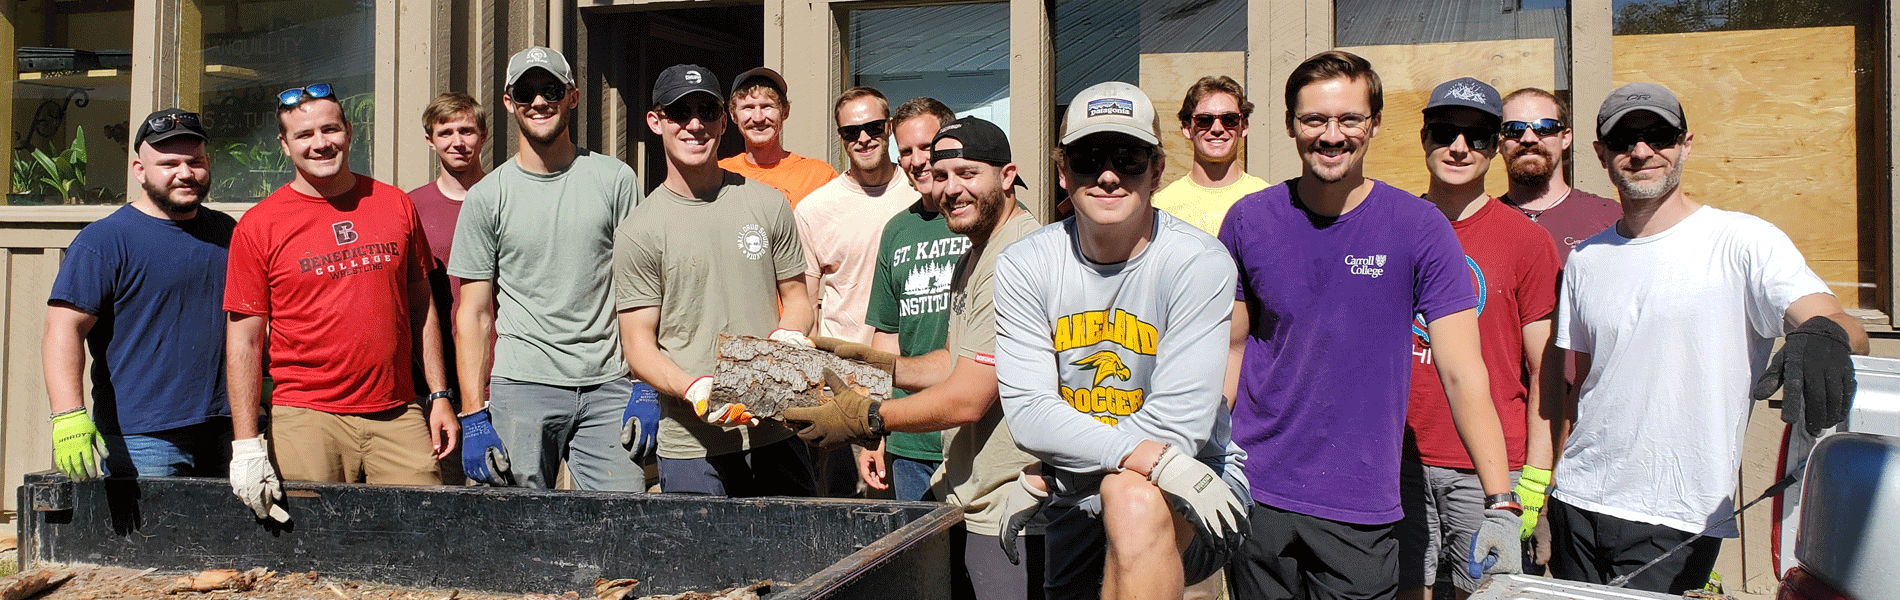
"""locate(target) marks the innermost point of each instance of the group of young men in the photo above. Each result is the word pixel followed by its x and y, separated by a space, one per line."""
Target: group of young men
pixel 1328 387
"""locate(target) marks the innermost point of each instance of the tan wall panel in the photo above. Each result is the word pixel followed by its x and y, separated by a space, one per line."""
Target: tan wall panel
pixel 28 441
pixel 8 498
pixel 1166 78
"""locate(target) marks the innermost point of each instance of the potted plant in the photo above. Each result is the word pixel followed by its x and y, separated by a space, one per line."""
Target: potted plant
pixel 65 173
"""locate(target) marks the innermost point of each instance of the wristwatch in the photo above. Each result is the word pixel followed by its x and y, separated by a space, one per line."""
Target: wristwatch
pixel 875 421
pixel 442 395
pixel 1507 501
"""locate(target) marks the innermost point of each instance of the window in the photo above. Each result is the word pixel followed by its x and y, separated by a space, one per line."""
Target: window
pixel 958 54
pixel 70 102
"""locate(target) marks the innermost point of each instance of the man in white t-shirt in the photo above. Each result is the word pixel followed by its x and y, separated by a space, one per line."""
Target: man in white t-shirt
pixel 1673 313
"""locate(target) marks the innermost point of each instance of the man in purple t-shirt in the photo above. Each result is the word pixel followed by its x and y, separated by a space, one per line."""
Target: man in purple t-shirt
pixel 1332 267
pixel 1535 140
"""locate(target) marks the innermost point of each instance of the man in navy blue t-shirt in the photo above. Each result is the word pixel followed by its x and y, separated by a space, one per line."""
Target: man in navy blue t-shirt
pixel 143 289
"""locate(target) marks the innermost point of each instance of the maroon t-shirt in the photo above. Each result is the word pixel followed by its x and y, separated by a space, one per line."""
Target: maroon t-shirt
pixel 438 214
pixel 1581 215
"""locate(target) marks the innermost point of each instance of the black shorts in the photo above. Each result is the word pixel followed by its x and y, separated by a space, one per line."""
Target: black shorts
pixel 1595 548
pixel 1293 556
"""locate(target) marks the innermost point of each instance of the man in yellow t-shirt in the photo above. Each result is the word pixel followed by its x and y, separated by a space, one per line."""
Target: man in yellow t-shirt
pixel 1214 121
pixel 759 105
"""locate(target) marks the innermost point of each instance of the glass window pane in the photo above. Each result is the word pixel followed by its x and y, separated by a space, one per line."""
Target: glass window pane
pixel 69 103
pixel 250 51
pixel 958 54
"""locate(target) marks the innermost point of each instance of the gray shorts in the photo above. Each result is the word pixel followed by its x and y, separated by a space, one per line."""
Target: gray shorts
pixel 1443 508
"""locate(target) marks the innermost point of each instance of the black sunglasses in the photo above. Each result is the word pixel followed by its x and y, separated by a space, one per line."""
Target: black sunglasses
pixel 293 96
pixel 1092 160
pixel 1660 137
pixel 523 95
pixel 1206 121
pixel 849 133
pixel 164 123
pixel 1478 138
pixel 1541 127
pixel 681 112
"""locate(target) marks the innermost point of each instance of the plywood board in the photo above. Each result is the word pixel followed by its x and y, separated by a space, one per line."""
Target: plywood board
pixel 1166 79
pixel 29 441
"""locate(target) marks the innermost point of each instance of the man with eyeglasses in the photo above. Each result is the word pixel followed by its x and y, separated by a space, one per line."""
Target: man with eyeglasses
pixel 839 224
pixel 709 252
pixel 1536 143
pixel 1514 266
pixel 1673 313
pixel 1112 333
pixel 132 290
pixel 1214 120
pixel 1333 266
pixel 955 388
pixel 534 246
pixel 334 265
pixel 760 102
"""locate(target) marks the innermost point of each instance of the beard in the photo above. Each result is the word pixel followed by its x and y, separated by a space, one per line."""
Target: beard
pixel 1526 171
pixel 553 133
pixel 1649 189
pixel 987 212
pixel 162 197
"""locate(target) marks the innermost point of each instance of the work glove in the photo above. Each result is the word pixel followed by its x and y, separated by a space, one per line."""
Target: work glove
pixel 1540 543
pixel 723 414
pixel 1814 373
pixel 863 353
pixel 255 481
pixel 845 418
pixel 791 336
pixel 1495 548
pixel 1198 493
pixel 77 449
pixel 1021 505
pixel 483 458
pixel 1531 485
pixel 640 425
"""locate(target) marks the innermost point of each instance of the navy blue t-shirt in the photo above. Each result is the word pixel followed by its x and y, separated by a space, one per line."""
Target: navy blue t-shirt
pixel 157 287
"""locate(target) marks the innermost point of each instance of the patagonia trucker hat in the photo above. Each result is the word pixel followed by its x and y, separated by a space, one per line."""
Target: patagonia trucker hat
pixel 1110 107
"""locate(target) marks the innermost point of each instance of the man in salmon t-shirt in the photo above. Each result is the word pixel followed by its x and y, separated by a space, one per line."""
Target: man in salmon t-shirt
pixel 334 265
pixel 759 105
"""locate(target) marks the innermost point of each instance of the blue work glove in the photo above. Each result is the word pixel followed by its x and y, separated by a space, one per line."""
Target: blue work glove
pixel 1495 548
pixel 483 458
pixel 640 425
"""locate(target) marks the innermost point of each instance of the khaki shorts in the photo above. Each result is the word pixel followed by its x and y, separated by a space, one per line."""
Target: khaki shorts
pixel 390 447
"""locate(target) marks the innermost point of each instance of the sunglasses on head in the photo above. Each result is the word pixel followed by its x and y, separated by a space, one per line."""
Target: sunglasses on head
pixel 1478 138
pixel 553 91
pixel 295 96
pixel 164 123
pixel 849 133
pixel 1541 127
pixel 1092 160
pixel 681 112
pixel 1206 120
pixel 1660 137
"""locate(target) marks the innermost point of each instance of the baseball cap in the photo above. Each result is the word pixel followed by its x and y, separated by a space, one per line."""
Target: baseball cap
pixel 1469 93
pixel 1640 96
pixel 765 72
pixel 679 80
pixel 539 57
pixel 1110 107
pixel 982 141
pixel 167 124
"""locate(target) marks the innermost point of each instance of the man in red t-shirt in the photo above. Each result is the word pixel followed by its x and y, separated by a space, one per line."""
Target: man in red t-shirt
pixel 334 266
pixel 1448 519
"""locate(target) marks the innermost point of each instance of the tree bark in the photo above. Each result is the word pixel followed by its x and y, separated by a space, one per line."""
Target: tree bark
pixel 31 584
pixel 769 377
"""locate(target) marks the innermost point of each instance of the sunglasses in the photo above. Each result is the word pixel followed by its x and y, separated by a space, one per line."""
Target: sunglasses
pixel 1092 160
pixel 1541 127
pixel 553 91
pixel 294 96
pixel 1206 121
pixel 164 123
pixel 849 133
pixel 681 112
pixel 1660 137
pixel 1478 138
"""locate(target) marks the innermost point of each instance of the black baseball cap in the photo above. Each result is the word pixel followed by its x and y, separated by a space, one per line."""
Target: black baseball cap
pixel 679 80
pixel 167 124
pixel 982 141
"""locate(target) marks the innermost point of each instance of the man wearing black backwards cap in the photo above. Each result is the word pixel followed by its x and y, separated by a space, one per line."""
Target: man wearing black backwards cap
pixel 709 252
pixel 140 288
pixel 955 388
pixel 533 248
pixel 1672 314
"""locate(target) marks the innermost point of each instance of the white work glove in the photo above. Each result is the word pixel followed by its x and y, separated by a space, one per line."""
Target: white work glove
pixel 255 481
pixel 1199 494
pixel 1495 547
pixel 723 414
pixel 1021 505
pixel 792 336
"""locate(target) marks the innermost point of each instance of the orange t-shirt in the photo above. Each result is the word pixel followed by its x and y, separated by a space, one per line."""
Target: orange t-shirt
pixel 795 176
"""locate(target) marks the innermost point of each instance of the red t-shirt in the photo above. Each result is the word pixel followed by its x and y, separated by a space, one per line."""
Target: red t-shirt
pixel 439 213
pixel 1516 265
pixel 332 276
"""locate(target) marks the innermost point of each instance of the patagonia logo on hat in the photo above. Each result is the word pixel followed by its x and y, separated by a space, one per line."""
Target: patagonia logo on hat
pixel 1111 106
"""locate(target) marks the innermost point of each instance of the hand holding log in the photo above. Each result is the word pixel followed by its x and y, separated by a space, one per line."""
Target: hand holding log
pixel 769 377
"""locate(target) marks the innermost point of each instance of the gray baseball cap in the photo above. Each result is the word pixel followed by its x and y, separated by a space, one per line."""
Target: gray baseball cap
pixel 540 57
pixel 1110 107
pixel 1469 93
pixel 1640 96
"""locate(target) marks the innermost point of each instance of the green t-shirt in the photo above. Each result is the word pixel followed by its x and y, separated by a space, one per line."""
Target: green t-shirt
pixel 711 267
pixel 910 296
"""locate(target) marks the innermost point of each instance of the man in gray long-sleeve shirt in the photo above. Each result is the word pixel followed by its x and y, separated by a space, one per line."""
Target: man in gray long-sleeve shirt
pixel 1112 338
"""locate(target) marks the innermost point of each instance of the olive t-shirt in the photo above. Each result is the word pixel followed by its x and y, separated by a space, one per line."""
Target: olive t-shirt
pixel 711 267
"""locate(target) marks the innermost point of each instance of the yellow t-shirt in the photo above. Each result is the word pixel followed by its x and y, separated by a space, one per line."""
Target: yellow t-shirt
pixel 1204 207
pixel 795 176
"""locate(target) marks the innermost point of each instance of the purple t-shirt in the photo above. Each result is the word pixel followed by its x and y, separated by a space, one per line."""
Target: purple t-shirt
pixel 1321 411
pixel 1581 215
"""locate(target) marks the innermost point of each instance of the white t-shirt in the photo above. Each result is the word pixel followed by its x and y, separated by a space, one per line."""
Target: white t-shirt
pixel 1678 325
pixel 841 224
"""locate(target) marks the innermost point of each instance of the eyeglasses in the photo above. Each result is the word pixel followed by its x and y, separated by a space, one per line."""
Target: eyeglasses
pixel 1478 138
pixel 294 96
pixel 1541 127
pixel 849 133
pixel 1349 123
pixel 164 123
pixel 523 95
pixel 1206 121
pixel 681 112
pixel 1092 160
pixel 1660 137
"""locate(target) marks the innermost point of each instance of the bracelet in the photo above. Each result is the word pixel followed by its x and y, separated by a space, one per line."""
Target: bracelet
pixel 68 412
pixel 1501 500
pixel 442 395
pixel 1158 455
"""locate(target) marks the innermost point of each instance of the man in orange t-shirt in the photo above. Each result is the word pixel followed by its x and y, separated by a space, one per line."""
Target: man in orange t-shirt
pixel 759 105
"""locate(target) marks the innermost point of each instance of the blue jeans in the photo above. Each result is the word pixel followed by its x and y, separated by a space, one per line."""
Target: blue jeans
pixel 910 478
pixel 202 450
pixel 541 426
pixel 782 468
